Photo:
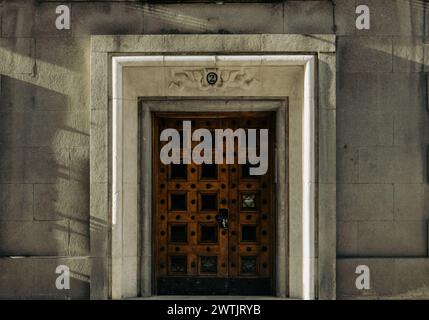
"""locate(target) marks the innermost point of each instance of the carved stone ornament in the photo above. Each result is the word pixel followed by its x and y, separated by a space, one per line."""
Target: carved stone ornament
pixel 197 79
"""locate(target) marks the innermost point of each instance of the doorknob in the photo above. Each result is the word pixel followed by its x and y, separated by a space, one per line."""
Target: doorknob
pixel 222 218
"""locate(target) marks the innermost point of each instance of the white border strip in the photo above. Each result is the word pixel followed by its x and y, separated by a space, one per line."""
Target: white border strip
pixel 307 183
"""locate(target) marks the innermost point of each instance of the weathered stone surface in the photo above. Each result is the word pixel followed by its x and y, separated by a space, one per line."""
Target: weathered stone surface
pixel 411 202
pixel 45 129
pixel 151 43
pixel 17 56
pixel 68 55
pixel 44 21
pixel 99 169
pixel 210 43
pixel 394 17
pixel 408 54
pixel 391 164
pixel 130 270
pixel 347 164
pixel 33 165
pixel 397 278
pixel 275 81
pixel 382 278
pixel 60 129
pixel 345 17
pixel 79 165
pixel 99 237
pixel 365 202
pixel 61 201
pixel 16 278
pixel 99 200
pixel 295 224
pixel 356 91
pixel 130 220
pixel 111 18
pixel 347 237
pixel 34 278
pixel 34 238
pixel 17 19
pixel 365 127
pixel 426 56
pixel 21 93
pixel 99 81
pixel 313 43
pixel 14 125
pixel 79 279
pixel 403 94
pixel 327 80
pixel 99 141
pixel 295 281
pixel 327 241
pixel 213 18
pixel 63 67
pixel 99 127
pixel 409 131
pixel 412 278
pixel 407 102
pixel 130 148
pixel 391 238
pixel 140 81
pixel 99 278
pixel 364 54
pixel 16 202
pixel 327 146
pixel 309 17
pixel 79 242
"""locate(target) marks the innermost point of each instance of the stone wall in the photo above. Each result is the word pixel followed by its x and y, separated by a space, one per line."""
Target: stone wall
pixel 382 138
pixel 382 132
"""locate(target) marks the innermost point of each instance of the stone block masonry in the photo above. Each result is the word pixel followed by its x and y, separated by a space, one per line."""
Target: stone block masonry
pixel 381 120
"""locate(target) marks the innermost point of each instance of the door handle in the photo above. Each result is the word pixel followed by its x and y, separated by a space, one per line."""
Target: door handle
pixel 222 218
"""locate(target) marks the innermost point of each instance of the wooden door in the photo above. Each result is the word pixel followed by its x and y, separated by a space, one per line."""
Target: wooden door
pixel 213 231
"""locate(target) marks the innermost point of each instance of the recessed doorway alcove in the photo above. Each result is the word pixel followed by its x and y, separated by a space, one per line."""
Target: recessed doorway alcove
pixel 134 76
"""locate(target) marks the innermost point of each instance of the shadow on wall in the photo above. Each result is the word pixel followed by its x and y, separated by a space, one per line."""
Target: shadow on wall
pixel 382 128
pixel 35 277
pixel 44 155
pixel 382 138
pixel 44 197
pixel 135 18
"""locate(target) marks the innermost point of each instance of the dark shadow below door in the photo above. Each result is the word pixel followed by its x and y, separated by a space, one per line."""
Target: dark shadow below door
pixel 214 286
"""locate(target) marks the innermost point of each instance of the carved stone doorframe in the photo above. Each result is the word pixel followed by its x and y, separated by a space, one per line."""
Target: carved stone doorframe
pixel 221 104
pixel 117 82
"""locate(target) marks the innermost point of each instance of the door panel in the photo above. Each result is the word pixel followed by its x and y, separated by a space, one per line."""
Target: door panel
pixel 197 250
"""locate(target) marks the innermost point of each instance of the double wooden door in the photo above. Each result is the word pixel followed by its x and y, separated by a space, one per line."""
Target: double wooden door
pixel 213 223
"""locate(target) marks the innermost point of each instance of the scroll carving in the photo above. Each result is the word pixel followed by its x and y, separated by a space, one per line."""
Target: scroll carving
pixel 227 78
